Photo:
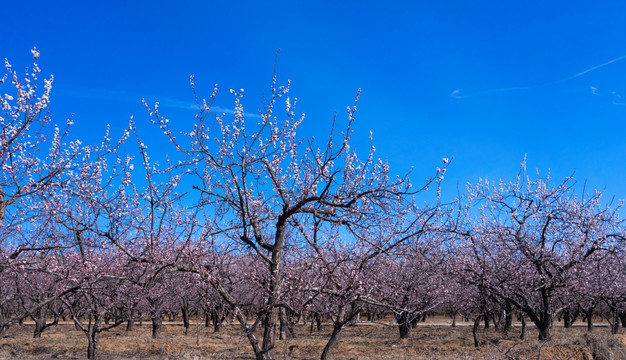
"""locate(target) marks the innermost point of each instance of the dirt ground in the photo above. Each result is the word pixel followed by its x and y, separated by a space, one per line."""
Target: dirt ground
pixel 432 340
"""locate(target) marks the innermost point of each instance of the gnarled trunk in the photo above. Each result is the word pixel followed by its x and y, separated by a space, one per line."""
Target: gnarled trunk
pixel 157 324
pixel 40 326
pixel 542 319
pixel 332 342
pixel 342 319
pixel 93 343
pixel 404 324
pixel 283 324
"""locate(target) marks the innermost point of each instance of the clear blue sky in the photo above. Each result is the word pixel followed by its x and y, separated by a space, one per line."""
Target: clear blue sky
pixel 485 82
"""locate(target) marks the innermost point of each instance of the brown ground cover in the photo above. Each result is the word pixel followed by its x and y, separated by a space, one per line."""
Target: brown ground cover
pixel 431 340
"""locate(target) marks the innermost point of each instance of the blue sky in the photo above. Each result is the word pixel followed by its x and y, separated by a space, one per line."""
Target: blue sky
pixel 483 82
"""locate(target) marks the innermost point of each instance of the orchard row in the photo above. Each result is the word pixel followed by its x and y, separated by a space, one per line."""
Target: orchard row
pixel 241 218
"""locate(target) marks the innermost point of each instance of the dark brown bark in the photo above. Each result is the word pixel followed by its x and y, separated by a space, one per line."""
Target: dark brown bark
pixel 41 325
pixel 93 336
pixel 404 324
pixel 614 319
pixel 93 329
pixel 589 316
pixel 185 312
pixel 475 332
pixel 342 319
pixel 542 319
pixel 332 342
pixel 544 332
pixel 567 318
pixel 218 319
pixel 157 324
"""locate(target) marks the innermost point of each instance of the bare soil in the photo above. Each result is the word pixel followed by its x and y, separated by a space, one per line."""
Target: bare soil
pixel 435 339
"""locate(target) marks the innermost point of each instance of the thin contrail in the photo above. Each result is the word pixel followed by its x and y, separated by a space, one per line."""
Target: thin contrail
pixel 594 68
pixel 458 93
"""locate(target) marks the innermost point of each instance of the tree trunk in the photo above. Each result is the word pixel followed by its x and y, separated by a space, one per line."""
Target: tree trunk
pixel 542 320
pixel 217 321
pixel 38 329
pixel 93 335
pixel 157 323
pixel 508 317
pixel 544 332
pixel 93 343
pixel 269 330
pixel 332 342
pixel 497 321
pixel 544 324
pixel 522 334
pixel 508 322
pixel 475 332
pixel 275 280
pixel 342 319
pixel 615 322
pixel 283 324
pixel 589 315
pixel 91 349
pixel 404 324
pixel 130 325
pixel 185 312
pixel 487 321
pixel 318 321
pixel 567 318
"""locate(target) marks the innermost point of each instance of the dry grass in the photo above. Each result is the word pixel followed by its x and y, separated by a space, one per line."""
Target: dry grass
pixel 428 341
